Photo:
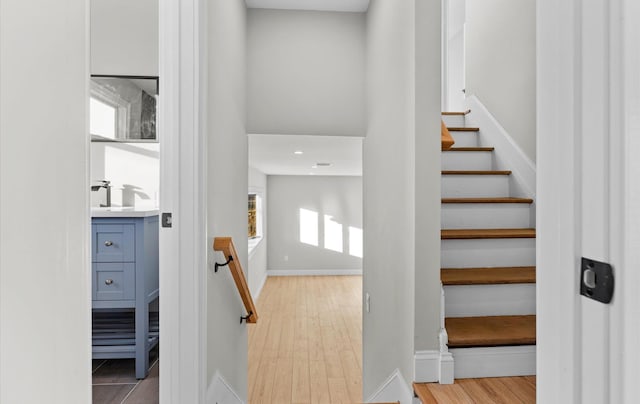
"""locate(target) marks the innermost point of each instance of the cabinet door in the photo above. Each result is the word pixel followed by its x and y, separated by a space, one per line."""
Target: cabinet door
pixel 113 281
pixel 113 243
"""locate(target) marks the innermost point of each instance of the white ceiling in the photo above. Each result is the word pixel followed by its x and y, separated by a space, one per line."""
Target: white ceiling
pixel 274 154
pixel 358 6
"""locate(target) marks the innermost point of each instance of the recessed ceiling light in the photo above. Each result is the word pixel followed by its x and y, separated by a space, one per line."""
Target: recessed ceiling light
pixel 314 166
pixel 298 152
pixel 312 173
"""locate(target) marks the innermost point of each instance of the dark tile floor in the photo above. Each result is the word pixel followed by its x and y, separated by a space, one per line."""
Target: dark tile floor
pixel 114 382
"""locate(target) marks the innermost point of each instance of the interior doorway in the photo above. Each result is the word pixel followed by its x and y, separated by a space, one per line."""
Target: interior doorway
pixel 124 169
pixel 306 119
pixel 305 268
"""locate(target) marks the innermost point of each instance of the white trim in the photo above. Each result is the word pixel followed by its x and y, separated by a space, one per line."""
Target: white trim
pixel 256 294
pixel 494 361
pixel 625 322
pixel 435 365
pixel 252 244
pixel 447 368
pixel 394 389
pixel 426 366
pixel 220 392
pixel 508 155
pixel 557 303
pixel 182 173
pixel 313 272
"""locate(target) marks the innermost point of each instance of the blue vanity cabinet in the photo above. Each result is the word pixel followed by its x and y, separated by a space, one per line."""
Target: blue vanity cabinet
pixel 124 252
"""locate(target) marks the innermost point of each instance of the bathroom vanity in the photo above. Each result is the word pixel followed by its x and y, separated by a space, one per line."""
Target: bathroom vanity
pixel 124 255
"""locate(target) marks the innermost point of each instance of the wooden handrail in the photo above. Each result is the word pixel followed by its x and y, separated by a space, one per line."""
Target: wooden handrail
pixel 445 137
pixel 225 245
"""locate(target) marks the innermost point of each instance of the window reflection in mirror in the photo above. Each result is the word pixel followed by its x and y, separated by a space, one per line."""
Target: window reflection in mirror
pixel 123 108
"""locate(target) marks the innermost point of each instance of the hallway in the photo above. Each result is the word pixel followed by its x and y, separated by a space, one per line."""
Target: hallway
pixel 307 346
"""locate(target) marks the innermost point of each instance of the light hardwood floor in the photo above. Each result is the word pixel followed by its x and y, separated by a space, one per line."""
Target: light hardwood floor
pixel 307 348
pixel 307 344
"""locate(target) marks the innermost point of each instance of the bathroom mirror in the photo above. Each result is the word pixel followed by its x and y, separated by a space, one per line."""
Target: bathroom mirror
pixel 123 108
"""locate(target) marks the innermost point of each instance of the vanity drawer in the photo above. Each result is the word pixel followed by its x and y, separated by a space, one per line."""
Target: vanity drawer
pixel 113 243
pixel 113 281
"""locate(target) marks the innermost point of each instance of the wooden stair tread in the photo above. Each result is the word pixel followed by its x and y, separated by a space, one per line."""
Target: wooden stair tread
pixel 462 129
pixel 447 234
pixel 424 394
pixel 471 149
pixel 487 200
pixel 466 332
pixel 476 172
pixel 488 276
pixel 456 112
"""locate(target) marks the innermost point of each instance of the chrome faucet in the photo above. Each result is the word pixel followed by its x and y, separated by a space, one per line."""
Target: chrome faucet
pixel 106 185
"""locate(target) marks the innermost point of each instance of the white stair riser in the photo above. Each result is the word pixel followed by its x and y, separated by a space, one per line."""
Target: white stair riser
pixel 489 300
pixel 494 361
pixel 488 253
pixel 474 186
pixel 465 139
pixel 466 160
pixel 456 121
pixel 485 215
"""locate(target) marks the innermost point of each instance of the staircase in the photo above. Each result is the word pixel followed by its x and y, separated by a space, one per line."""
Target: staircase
pixel 488 258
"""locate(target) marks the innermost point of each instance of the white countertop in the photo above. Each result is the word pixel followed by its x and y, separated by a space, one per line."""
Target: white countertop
pixel 124 212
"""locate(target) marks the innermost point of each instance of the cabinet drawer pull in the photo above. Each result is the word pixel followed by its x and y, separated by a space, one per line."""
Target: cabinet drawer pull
pixel 108 282
pixel 108 243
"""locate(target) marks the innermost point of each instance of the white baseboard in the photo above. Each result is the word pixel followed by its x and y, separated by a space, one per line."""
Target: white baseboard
pixel 394 389
pixel 219 392
pixel 433 366
pixel 426 366
pixel 313 272
pixel 508 155
pixel 447 369
pixel 494 361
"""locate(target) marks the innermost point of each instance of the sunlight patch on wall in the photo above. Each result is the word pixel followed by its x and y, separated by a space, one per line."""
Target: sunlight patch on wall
pixel 102 120
pixel 355 241
pixel 309 227
pixel 332 234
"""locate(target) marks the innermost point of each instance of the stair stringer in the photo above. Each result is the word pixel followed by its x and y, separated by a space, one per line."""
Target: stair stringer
pixel 508 155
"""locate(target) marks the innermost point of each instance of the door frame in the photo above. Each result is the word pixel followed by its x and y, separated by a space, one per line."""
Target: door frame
pixel 625 97
pixel 587 108
pixel 183 249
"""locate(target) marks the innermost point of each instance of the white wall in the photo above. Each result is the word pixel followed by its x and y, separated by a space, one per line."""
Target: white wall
pixel 124 37
pixel 45 329
pixel 132 168
pixel 306 72
pixel 501 64
pixel 336 196
pixel 227 188
pixel 401 182
pixel 258 257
